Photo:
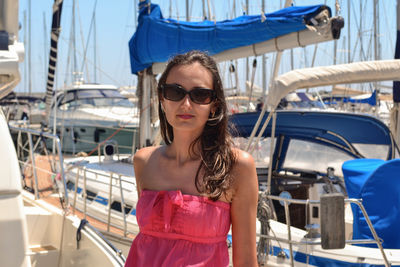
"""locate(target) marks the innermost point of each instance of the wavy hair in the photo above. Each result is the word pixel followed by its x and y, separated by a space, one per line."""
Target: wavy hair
pixel 213 176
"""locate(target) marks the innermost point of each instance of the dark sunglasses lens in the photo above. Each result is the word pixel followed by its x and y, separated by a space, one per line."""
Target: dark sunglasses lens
pixel 173 92
pixel 202 96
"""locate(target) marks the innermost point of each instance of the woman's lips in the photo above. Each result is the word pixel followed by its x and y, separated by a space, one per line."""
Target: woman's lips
pixel 185 116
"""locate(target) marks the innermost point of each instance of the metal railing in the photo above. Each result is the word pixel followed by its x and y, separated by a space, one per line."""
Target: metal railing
pixel 115 180
pixel 26 152
pixel 291 242
pixel 31 147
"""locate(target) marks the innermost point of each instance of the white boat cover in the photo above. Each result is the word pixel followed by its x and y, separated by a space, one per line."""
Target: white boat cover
pixel 359 72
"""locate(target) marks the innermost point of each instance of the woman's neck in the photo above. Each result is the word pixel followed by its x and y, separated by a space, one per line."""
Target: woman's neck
pixel 180 149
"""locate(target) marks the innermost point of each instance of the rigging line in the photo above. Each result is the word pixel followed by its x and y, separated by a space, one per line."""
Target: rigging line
pixel 391 42
pixel 70 47
pixel 123 52
pixel 88 39
pixel 191 8
pixel 82 39
pixel 74 33
pixel 177 10
pixel 358 29
pixel 98 68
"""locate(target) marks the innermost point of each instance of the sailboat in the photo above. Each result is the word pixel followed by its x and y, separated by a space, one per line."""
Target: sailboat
pixel 323 201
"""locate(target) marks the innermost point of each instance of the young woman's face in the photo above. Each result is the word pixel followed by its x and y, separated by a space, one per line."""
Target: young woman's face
pixel 186 115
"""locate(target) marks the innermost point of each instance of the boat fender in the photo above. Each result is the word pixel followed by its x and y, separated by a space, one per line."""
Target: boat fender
pixel 78 232
pixel 332 221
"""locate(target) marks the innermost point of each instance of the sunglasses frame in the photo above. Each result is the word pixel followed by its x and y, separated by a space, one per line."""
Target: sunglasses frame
pixel 178 87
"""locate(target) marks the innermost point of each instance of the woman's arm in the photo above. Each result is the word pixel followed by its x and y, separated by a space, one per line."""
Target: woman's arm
pixel 244 211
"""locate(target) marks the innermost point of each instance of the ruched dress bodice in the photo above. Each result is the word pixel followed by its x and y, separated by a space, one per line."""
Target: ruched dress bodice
pixel 180 230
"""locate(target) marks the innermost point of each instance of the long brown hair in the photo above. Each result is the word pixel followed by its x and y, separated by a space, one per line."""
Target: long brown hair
pixel 216 154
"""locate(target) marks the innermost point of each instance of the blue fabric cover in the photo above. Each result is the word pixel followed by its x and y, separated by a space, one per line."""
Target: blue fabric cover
pixel 310 125
pixel 377 183
pixel 356 173
pixel 370 100
pixel 157 39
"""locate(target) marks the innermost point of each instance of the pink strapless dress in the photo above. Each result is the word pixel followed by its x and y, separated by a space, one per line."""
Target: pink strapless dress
pixel 180 230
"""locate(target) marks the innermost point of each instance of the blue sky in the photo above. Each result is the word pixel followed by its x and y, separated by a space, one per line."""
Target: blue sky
pixel 115 24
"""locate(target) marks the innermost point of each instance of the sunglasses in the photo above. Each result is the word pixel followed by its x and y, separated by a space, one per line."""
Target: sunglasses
pixel 175 92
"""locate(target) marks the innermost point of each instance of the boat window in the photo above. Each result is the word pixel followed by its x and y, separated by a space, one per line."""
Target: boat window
pixel 120 102
pixel 90 195
pixel 65 100
pixel 100 98
pixel 116 205
pixel 81 94
pixel 316 157
pixel 373 151
pixel 68 97
pixel 70 185
pixel 112 93
pixel 261 150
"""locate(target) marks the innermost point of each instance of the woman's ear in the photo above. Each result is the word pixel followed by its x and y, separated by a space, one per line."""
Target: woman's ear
pixel 213 110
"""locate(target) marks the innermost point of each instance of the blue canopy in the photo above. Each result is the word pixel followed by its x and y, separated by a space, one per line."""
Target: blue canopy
pixel 377 183
pixel 157 39
pixel 330 128
pixel 369 100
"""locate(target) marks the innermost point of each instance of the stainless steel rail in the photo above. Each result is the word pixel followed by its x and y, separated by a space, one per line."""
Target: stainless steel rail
pixel 115 180
pixel 291 242
pixel 29 133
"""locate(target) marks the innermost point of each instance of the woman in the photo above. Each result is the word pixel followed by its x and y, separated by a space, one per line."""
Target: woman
pixel 195 186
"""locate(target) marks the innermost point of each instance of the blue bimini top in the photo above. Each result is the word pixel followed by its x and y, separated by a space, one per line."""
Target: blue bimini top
pixel 157 39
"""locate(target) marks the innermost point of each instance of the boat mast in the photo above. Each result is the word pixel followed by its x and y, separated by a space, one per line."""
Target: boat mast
pixel 376 44
pixel 204 10
pixel 348 32
pixel 25 61
pixel 95 48
pixel 278 57
pixel 143 92
pixel 187 11
pixel 55 33
pixel 247 58
pixel 263 67
pixel 30 46
pixel 395 114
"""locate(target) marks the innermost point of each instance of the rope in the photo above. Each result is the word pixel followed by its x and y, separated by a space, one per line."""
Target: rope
pixel 264 213
pixel 78 232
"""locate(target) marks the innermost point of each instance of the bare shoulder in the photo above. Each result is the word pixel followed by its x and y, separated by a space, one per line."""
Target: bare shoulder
pixel 243 158
pixel 244 171
pixel 244 162
pixel 142 155
pixel 140 161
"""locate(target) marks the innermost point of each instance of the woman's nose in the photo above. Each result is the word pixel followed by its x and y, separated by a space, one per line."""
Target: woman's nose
pixel 187 101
